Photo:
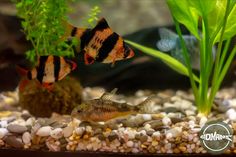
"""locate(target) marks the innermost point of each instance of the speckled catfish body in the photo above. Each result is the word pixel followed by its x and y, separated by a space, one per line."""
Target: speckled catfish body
pixel 104 109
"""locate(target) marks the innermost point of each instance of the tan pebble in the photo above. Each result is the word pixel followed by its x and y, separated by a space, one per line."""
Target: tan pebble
pixel 70 143
pixel 26 137
pixel 176 150
pixel 26 147
pixel 154 143
pixel 182 148
pixel 67 147
pixel 57 143
pixel 163 150
pixel 71 138
pixel 67 132
pixel 152 150
pixel 143 146
pixel 77 138
pixel 86 137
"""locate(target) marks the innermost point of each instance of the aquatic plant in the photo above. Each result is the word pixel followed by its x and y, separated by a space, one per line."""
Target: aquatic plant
pixel 42 22
pixel 217 21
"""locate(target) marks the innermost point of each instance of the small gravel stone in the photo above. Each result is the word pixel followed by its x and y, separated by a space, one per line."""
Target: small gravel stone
pixel 147 117
pixel 231 114
pixel 26 138
pixel 166 121
pixel 56 133
pixel 143 138
pixel 176 131
pixel 3 124
pixel 67 131
pixel 15 128
pixel 80 131
pixel 3 132
pixel 112 136
pixel 130 144
pixel 14 141
pixel 44 131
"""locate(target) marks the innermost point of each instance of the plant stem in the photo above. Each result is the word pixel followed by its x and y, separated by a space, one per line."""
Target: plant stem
pixel 187 60
pixel 217 68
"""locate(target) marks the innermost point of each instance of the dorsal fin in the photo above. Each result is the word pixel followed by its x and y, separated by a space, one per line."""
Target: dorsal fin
pixel 109 95
pixel 147 100
pixel 102 24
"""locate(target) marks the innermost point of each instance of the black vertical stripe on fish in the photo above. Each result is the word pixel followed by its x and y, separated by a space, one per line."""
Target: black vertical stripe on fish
pixel 108 44
pixel 86 37
pixel 102 24
pixel 57 65
pixel 73 32
pixel 41 67
pixel 29 75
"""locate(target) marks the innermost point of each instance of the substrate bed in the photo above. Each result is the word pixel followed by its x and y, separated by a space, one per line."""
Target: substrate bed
pixel 171 127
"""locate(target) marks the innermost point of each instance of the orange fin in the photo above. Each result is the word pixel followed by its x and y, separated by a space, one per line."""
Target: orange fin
pixel 88 59
pixel 73 65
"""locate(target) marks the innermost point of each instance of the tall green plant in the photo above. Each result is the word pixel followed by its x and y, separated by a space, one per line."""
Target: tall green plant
pixel 217 20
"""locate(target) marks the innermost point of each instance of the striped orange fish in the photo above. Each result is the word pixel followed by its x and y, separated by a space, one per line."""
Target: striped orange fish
pixel 100 44
pixel 50 69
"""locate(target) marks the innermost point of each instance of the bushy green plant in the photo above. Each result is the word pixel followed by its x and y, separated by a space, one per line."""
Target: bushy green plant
pixel 217 19
pixel 42 22
pixel 92 18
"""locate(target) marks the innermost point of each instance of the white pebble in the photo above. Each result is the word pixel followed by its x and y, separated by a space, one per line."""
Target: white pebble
pixel 80 130
pixel 176 131
pixel 169 135
pixel 166 121
pixel 203 121
pixel 147 127
pixel 156 134
pixel 191 124
pixel 130 144
pixel 3 124
pixel 147 117
pixel 231 114
pixel 56 133
pixel 44 131
pixel 26 138
pixel 135 150
pixel 3 132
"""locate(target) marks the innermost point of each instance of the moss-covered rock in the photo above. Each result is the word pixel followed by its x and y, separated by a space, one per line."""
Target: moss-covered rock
pixel 65 95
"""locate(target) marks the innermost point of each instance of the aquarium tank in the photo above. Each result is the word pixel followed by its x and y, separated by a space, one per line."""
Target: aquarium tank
pixel 115 77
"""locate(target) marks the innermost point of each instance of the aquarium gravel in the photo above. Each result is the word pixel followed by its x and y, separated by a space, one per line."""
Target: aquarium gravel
pixel 171 127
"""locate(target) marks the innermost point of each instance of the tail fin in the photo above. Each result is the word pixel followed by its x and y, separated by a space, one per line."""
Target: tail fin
pixel 146 106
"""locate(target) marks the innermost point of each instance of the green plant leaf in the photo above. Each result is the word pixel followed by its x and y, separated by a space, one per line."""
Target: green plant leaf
pixel 230 29
pixel 202 7
pixel 185 15
pixel 167 59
